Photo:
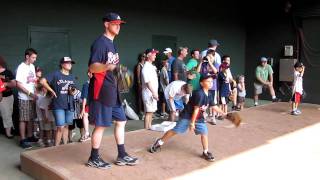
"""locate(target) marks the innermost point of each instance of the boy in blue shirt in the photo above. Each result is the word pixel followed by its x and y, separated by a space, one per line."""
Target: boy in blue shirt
pixel 192 117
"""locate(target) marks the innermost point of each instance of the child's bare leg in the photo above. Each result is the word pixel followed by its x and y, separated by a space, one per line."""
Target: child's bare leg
pixel 147 120
pixel 58 135
pixel 168 135
pixel 217 109
pixel 242 105
pixel 65 134
pixel 210 111
pixel 85 121
pixel 293 107
pixel 82 132
pixel 204 142
pixel 163 108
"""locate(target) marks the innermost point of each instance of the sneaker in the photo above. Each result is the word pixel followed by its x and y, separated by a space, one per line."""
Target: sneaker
pixel 126 160
pixel 294 113
pixel 32 139
pixel 41 143
pixel 9 136
pixel 235 108
pixel 298 111
pixel 276 100
pixel 164 115
pixel 25 145
pixel 49 143
pixel 208 156
pixel 98 163
pixel 156 147
pixel 220 118
pixel 211 120
pixel 85 138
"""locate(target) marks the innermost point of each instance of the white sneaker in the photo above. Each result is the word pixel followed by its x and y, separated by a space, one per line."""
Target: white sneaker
pixel 298 111
pixel 41 143
pixel 294 113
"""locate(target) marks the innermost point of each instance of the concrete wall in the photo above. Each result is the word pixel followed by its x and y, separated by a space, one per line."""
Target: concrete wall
pixel 192 29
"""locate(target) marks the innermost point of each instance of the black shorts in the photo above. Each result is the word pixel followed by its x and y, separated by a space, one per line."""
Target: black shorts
pixel 76 122
pixel 161 98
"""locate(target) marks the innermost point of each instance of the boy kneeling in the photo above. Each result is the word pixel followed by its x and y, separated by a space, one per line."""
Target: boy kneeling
pixel 192 117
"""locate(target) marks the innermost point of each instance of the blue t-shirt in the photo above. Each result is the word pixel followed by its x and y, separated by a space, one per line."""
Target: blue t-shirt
pixel 60 83
pixel 103 86
pixel 198 98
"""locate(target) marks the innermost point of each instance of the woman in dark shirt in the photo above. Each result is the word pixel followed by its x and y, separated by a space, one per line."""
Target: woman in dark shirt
pixel 62 85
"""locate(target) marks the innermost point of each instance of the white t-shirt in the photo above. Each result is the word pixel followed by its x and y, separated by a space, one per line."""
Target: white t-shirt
pixel 297 82
pixel 174 90
pixel 27 76
pixel 149 74
pixel 44 102
pixel 241 93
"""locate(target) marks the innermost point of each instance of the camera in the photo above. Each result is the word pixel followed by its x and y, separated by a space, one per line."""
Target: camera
pixel 72 90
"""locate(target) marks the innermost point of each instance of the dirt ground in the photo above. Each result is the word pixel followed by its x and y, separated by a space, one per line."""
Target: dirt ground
pixel 179 156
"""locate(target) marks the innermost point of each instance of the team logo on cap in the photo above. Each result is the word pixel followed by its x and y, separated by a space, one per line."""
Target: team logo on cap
pixel 118 18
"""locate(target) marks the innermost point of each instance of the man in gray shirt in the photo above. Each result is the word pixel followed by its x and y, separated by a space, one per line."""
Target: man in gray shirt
pixel 179 69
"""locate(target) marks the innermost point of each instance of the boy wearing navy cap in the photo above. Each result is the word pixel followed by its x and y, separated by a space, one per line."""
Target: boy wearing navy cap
pixel 192 117
pixel 104 101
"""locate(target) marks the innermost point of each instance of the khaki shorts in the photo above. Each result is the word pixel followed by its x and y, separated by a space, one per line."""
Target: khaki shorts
pixel 6 110
pixel 27 110
pixel 150 104
pixel 258 88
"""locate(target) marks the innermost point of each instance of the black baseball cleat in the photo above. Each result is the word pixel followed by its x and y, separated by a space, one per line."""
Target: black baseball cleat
pixel 208 156
pixel 25 145
pixel 126 160
pixel 276 100
pixel 156 147
pixel 98 163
